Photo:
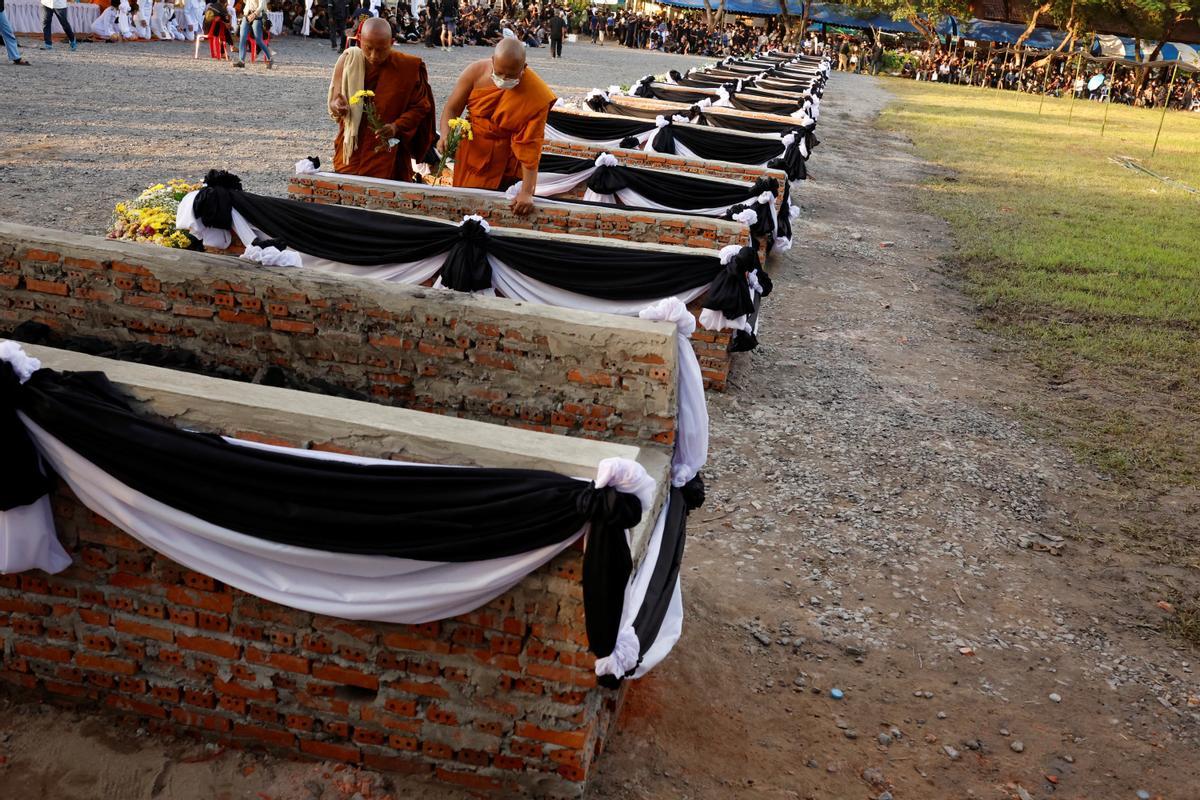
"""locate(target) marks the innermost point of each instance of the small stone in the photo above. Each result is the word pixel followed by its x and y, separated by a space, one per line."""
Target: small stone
pixel 884 796
pixel 884 739
pixel 856 237
pixel 887 244
pixel 841 722
pixel 1004 731
pixel 942 715
pixel 798 680
pixel 850 733
pixel 855 651
pixel 895 732
pixel 873 776
pixel 1142 794
pixel 1017 746
pixel 950 751
pixel 68 208
pixel 1069 759
pixel 762 638
pixel 812 763
pixel 928 695
pixel 1055 697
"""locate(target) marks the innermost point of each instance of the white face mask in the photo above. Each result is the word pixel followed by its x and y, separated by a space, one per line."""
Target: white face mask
pixel 505 83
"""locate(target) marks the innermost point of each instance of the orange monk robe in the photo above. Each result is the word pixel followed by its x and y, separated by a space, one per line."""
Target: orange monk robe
pixel 509 127
pixel 402 97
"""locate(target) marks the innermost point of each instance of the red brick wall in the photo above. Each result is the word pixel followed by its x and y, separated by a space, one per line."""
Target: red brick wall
pixel 636 226
pixel 503 699
pixel 711 348
pixel 444 355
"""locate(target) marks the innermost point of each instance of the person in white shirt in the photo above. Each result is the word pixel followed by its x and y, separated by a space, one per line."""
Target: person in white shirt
pixel 254 13
pixel 125 20
pixel 141 19
pixel 50 10
pixel 193 19
pixel 105 25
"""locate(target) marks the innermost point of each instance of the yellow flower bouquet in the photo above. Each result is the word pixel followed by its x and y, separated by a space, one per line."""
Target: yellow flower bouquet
pixel 459 128
pixel 150 218
pixel 364 96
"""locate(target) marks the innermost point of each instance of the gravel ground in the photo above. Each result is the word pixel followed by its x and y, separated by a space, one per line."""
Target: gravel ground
pixel 879 520
pixel 82 131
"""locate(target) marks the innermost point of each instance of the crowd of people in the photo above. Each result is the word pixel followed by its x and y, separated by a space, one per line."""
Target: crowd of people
pixel 455 23
pixel 1060 76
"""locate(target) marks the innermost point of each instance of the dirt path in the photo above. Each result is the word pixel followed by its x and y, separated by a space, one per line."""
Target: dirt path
pixel 870 491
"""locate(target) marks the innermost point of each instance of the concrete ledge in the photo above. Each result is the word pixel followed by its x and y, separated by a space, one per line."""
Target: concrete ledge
pixel 557 215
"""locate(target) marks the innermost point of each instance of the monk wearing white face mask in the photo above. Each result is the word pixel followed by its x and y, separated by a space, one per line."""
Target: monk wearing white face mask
pixel 506 103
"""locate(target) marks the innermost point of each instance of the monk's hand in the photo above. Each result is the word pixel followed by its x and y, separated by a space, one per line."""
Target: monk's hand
pixel 522 204
pixel 387 131
pixel 338 106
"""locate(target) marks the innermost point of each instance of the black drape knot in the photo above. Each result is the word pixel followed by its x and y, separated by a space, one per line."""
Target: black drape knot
pixel 466 268
pixel 227 180
pixel 213 206
pixel 607 179
pixel 764 280
pixel 263 242
pixel 597 102
pixel 745 261
pixel 630 143
pixel 743 341
pixel 693 492
pixel 608 508
pixel 23 481
pixel 765 184
pixel 676 76
pixel 643 87
pixel 9 386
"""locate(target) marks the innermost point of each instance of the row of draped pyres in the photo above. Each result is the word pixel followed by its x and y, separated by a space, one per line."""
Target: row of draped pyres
pixel 723 142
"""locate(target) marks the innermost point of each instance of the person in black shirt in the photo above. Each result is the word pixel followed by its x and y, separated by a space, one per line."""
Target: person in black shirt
pixel 558 29
pixel 340 14
pixel 449 23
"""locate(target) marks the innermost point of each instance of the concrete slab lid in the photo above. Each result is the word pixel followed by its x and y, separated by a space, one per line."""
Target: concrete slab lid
pixel 211 404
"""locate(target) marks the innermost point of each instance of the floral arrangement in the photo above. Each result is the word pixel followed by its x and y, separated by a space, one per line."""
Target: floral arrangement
pixel 459 128
pixel 151 217
pixel 364 96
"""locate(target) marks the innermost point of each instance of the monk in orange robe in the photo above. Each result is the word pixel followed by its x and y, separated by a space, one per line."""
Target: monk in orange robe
pixel 403 102
pixel 506 104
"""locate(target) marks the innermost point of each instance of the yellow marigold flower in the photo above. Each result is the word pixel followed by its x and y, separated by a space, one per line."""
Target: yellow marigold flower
pixel 358 96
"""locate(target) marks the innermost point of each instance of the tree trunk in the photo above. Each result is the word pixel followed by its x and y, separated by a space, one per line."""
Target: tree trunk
pixel 927 28
pixel 783 16
pixel 1168 29
pixel 708 14
pixel 1037 12
pixel 804 20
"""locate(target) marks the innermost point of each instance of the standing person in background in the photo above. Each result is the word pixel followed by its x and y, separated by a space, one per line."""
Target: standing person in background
pixel 253 14
pixel 594 24
pixel 50 10
pixel 558 29
pixel 844 54
pixel 340 12
pixel 10 40
pixel 449 23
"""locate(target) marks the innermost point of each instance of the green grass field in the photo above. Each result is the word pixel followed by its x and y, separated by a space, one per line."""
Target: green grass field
pixel 1094 266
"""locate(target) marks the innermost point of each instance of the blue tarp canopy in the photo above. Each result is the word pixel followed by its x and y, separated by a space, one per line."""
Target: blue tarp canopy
pixel 826 13
pixel 1007 33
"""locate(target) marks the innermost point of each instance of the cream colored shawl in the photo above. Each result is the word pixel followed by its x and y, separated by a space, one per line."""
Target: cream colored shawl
pixel 353 72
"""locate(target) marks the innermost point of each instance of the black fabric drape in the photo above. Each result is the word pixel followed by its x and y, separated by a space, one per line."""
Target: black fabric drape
pixel 763 105
pixel 364 237
pixel 563 165
pixel 725 145
pixel 419 512
pixel 716 119
pixel 21 479
pixel 783 216
pixel 650 617
pixel 586 126
pixel 677 189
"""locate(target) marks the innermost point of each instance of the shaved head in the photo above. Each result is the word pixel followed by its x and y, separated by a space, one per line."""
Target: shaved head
pixel 508 59
pixel 375 40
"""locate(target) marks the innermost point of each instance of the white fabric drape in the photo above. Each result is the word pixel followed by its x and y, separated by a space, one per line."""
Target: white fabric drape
pixel 556 135
pixel 625 654
pixel 308 4
pixel 27 540
pixel 691 430
pixel 349 586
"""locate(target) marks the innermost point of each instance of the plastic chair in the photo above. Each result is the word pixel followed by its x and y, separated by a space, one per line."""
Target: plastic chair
pixel 218 42
pixel 254 44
